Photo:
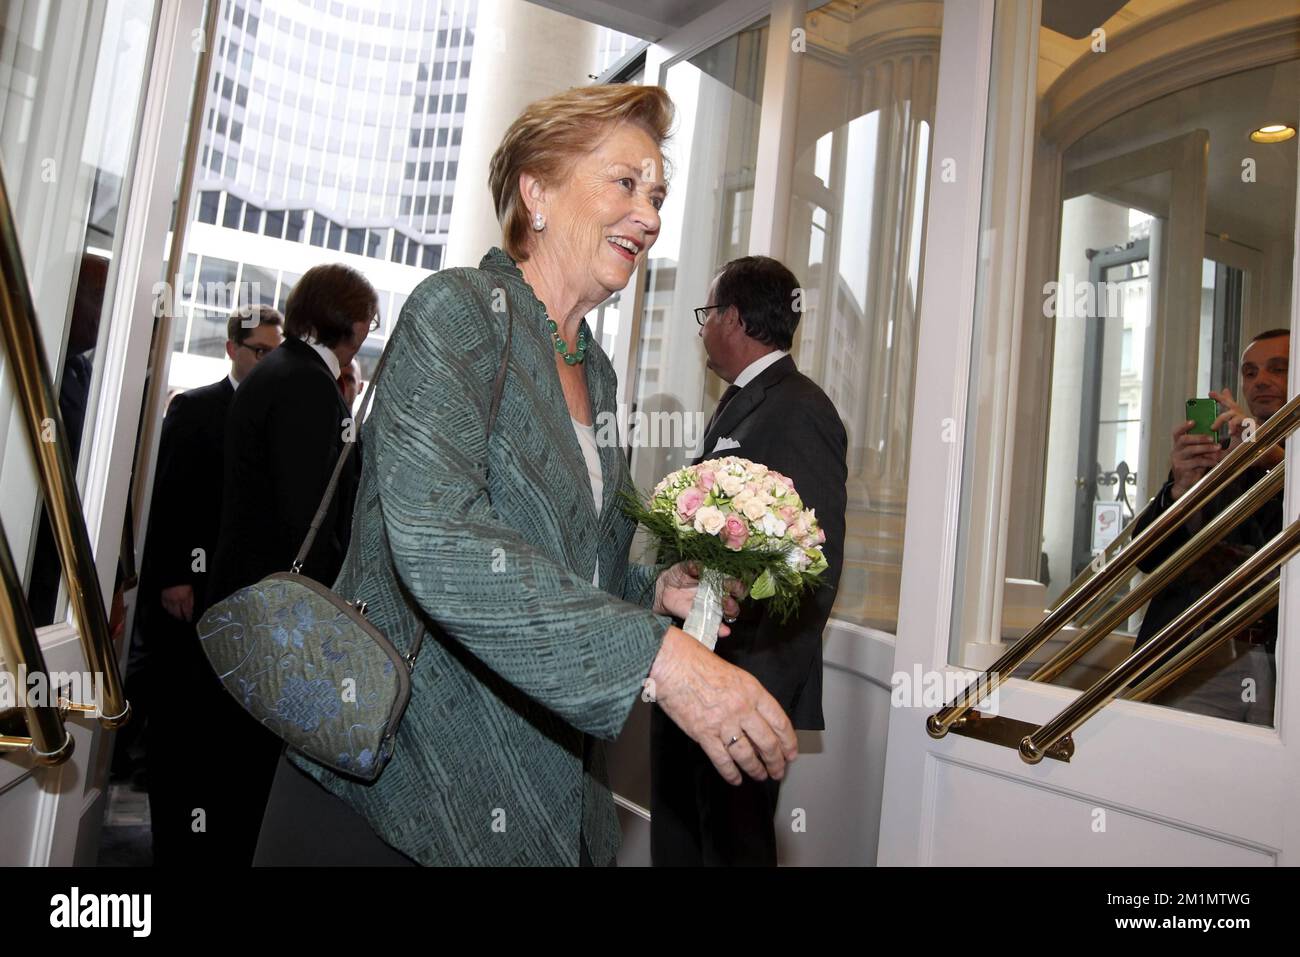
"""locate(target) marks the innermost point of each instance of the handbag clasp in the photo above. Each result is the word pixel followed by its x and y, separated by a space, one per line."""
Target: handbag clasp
pixel 360 606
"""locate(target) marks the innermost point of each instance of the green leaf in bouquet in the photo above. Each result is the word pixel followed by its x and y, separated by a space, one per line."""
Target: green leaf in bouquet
pixel 764 586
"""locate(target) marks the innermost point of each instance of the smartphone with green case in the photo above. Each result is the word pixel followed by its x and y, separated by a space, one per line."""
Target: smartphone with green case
pixel 1203 412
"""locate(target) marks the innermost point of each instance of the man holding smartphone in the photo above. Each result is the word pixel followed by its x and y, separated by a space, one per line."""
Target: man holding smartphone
pixel 1237 680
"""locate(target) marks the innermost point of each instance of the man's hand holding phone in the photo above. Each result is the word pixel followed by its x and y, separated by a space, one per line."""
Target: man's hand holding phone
pixel 1194 454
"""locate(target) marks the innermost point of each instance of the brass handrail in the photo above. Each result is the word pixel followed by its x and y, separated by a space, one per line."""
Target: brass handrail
pixel 1240 510
pixel 1107 554
pixel 47 739
pixel 1111 576
pixel 48 441
pixel 1236 585
pixel 1166 674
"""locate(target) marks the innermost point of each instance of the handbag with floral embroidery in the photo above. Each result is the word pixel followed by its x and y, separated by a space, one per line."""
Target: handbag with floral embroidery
pixel 306 663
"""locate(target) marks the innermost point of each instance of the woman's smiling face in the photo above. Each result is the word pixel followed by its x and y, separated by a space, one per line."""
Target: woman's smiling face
pixel 603 218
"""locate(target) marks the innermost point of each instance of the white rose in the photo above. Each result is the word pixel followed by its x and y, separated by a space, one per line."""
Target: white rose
pixel 758 469
pixel 771 525
pixel 731 484
pixel 752 508
pixel 709 520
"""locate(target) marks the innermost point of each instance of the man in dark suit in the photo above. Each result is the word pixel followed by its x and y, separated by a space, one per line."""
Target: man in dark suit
pixel 774 415
pixel 285 430
pixel 179 546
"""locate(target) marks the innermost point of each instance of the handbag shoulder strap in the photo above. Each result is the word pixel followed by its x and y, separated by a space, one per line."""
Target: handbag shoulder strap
pixel 498 389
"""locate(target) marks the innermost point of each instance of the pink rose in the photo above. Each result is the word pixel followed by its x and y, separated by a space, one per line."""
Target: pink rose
pixel 706 479
pixel 688 502
pixel 821 537
pixel 735 533
pixel 787 513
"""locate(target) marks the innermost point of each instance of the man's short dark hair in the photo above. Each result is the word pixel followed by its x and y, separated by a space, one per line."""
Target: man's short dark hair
pixel 240 325
pixel 764 292
pixel 1270 334
pixel 327 301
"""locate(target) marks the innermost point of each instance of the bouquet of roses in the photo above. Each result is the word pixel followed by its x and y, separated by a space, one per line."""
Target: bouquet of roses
pixel 735 519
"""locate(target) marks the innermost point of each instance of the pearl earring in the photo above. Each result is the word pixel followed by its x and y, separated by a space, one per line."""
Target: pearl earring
pixel 539 222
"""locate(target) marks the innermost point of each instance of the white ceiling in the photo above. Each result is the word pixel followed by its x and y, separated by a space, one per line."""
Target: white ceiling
pixel 1256 214
pixel 647 19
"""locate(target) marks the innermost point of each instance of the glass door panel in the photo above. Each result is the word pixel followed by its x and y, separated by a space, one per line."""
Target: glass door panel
pixel 1174 268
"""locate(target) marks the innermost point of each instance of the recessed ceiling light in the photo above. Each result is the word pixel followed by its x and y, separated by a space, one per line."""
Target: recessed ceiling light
pixel 1273 133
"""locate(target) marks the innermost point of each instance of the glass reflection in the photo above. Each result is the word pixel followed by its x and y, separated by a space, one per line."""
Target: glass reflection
pixel 857 214
pixel 1170 309
pixel 67 140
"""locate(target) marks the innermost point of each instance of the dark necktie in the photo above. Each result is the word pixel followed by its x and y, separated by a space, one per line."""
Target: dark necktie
pixel 727 396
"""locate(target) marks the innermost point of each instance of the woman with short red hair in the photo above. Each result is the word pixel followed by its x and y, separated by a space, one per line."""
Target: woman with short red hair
pixel 507 542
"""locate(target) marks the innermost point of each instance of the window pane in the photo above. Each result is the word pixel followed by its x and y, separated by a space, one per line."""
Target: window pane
pixel 293 231
pixel 208 201
pixel 217 283
pixel 287 282
pixel 857 210
pixel 718 96
pixel 1142 290
pixel 234 212
pixel 256 286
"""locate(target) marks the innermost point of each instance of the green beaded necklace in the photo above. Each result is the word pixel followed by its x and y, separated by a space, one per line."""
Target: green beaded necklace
pixel 570 358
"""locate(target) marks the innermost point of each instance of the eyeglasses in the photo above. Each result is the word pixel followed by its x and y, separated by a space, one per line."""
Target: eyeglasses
pixel 702 313
pixel 257 351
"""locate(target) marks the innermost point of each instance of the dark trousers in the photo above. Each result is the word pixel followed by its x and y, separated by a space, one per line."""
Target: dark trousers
pixel 697 819
pixel 210 765
pixel 308 826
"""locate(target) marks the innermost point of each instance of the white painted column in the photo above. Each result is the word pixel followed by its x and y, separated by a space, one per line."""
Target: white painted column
pixel 774 171
pixel 522 53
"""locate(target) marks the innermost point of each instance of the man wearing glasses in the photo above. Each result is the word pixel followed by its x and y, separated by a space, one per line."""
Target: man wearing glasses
pixel 773 414
pixel 184 517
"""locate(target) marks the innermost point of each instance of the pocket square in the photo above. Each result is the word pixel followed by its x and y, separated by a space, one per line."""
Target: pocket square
pixel 724 444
